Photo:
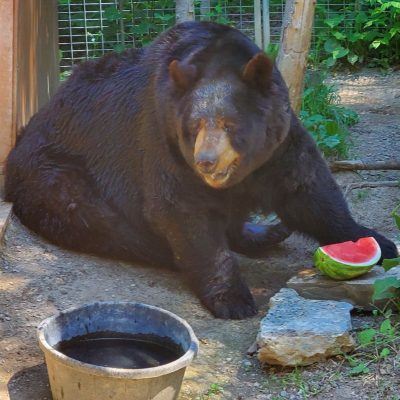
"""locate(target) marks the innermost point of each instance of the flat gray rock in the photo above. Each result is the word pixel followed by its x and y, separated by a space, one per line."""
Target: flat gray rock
pixel 312 284
pixel 297 331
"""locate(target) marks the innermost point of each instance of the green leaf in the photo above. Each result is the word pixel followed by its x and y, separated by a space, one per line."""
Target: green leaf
pixel 335 21
pixel 368 24
pixel 365 337
pixel 389 263
pixel 354 37
pixel 339 35
pixel 331 141
pixel 331 45
pixel 386 328
pixel 361 17
pixel 332 128
pixel 384 353
pixel 330 62
pixel 340 52
pixel 112 13
pixel 141 29
pixel 383 288
pixel 393 32
pixel 352 58
pixel 390 4
pixel 164 17
pixel 119 47
pixel 316 118
pixel 396 216
pixel 359 369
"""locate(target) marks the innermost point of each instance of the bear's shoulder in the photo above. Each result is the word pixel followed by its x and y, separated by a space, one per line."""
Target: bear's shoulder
pixel 107 65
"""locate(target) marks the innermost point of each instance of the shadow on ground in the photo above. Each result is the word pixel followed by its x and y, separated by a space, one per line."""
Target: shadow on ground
pixel 30 384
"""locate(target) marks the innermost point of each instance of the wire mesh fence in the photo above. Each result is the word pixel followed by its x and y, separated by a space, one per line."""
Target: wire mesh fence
pixel 90 28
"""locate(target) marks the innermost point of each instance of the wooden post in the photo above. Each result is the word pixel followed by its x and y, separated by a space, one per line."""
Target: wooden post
pixel 258 38
pixel 29 64
pixel 7 107
pixel 36 56
pixel 184 10
pixel 266 24
pixel 295 43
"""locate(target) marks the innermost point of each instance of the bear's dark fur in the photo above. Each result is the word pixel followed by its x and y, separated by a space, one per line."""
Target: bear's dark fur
pixel 159 155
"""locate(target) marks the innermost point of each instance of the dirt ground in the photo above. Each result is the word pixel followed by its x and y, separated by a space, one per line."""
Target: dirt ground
pixel 37 279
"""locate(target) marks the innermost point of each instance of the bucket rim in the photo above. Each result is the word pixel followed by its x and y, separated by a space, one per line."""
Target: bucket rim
pixel 111 372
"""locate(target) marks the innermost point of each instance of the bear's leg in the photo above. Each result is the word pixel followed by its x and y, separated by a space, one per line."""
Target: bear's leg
pixel 61 203
pixel 318 209
pixel 254 239
pixel 201 252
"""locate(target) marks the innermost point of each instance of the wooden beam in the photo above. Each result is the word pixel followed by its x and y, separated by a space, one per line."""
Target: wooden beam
pixel 266 24
pixel 295 43
pixel 29 64
pixel 258 37
pixel 36 56
pixel 7 76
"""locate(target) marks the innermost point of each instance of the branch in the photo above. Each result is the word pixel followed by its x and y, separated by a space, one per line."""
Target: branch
pixel 366 184
pixel 351 165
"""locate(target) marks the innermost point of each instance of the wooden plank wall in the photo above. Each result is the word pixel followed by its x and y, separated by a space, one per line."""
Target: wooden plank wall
pixel 36 56
pixel 29 60
pixel 7 108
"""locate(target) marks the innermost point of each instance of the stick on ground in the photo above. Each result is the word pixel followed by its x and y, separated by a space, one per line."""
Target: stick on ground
pixel 351 165
pixel 368 184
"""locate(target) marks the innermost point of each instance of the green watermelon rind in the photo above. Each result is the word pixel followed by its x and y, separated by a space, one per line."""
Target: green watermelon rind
pixel 338 270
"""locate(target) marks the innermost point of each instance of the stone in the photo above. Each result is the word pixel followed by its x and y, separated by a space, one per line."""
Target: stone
pixel 312 284
pixel 5 214
pixel 252 349
pixel 297 331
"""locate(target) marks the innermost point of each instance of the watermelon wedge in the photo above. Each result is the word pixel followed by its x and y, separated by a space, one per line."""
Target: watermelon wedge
pixel 348 260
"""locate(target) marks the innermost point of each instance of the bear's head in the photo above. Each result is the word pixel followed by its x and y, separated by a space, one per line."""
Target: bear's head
pixel 231 118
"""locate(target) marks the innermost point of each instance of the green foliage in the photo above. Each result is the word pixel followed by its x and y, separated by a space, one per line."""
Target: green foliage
pixel 383 288
pixel 375 344
pixel 137 25
pixel 361 32
pixel 356 33
pixel 217 13
pixel 389 288
pixel 131 23
pixel 323 117
pixel 213 390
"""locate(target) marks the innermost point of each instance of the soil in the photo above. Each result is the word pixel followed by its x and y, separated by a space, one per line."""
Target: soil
pixel 37 279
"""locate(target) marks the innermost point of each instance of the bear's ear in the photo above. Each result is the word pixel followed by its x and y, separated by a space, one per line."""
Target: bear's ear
pixel 183 74
pixel 258 71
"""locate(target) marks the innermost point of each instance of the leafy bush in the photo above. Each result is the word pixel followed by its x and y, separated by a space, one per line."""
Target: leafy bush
pixel 131 23
pixel 365 32
pixel 323 117
pixel 375 345
pixel 389 288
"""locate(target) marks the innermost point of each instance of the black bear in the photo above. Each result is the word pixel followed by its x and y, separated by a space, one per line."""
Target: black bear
pixel 159 155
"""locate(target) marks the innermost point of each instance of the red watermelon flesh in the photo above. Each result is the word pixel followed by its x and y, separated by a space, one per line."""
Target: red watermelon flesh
pixel 363 251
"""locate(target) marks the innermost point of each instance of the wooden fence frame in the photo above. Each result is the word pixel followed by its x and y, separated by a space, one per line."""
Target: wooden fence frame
pixel 29 60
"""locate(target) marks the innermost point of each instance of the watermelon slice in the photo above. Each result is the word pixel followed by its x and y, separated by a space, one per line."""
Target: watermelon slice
pixel 348 259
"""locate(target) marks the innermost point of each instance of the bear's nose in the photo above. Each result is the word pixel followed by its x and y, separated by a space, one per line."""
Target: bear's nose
pixel 206 162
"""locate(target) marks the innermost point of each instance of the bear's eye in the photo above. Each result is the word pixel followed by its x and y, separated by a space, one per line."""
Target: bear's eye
pixel 197 127
pixel 228 127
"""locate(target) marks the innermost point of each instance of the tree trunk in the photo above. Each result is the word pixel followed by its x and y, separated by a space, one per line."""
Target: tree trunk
pixel 295 43
pixel 184 10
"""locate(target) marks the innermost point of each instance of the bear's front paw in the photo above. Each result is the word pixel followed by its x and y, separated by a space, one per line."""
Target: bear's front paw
pixel 388 248
pixel 230 301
